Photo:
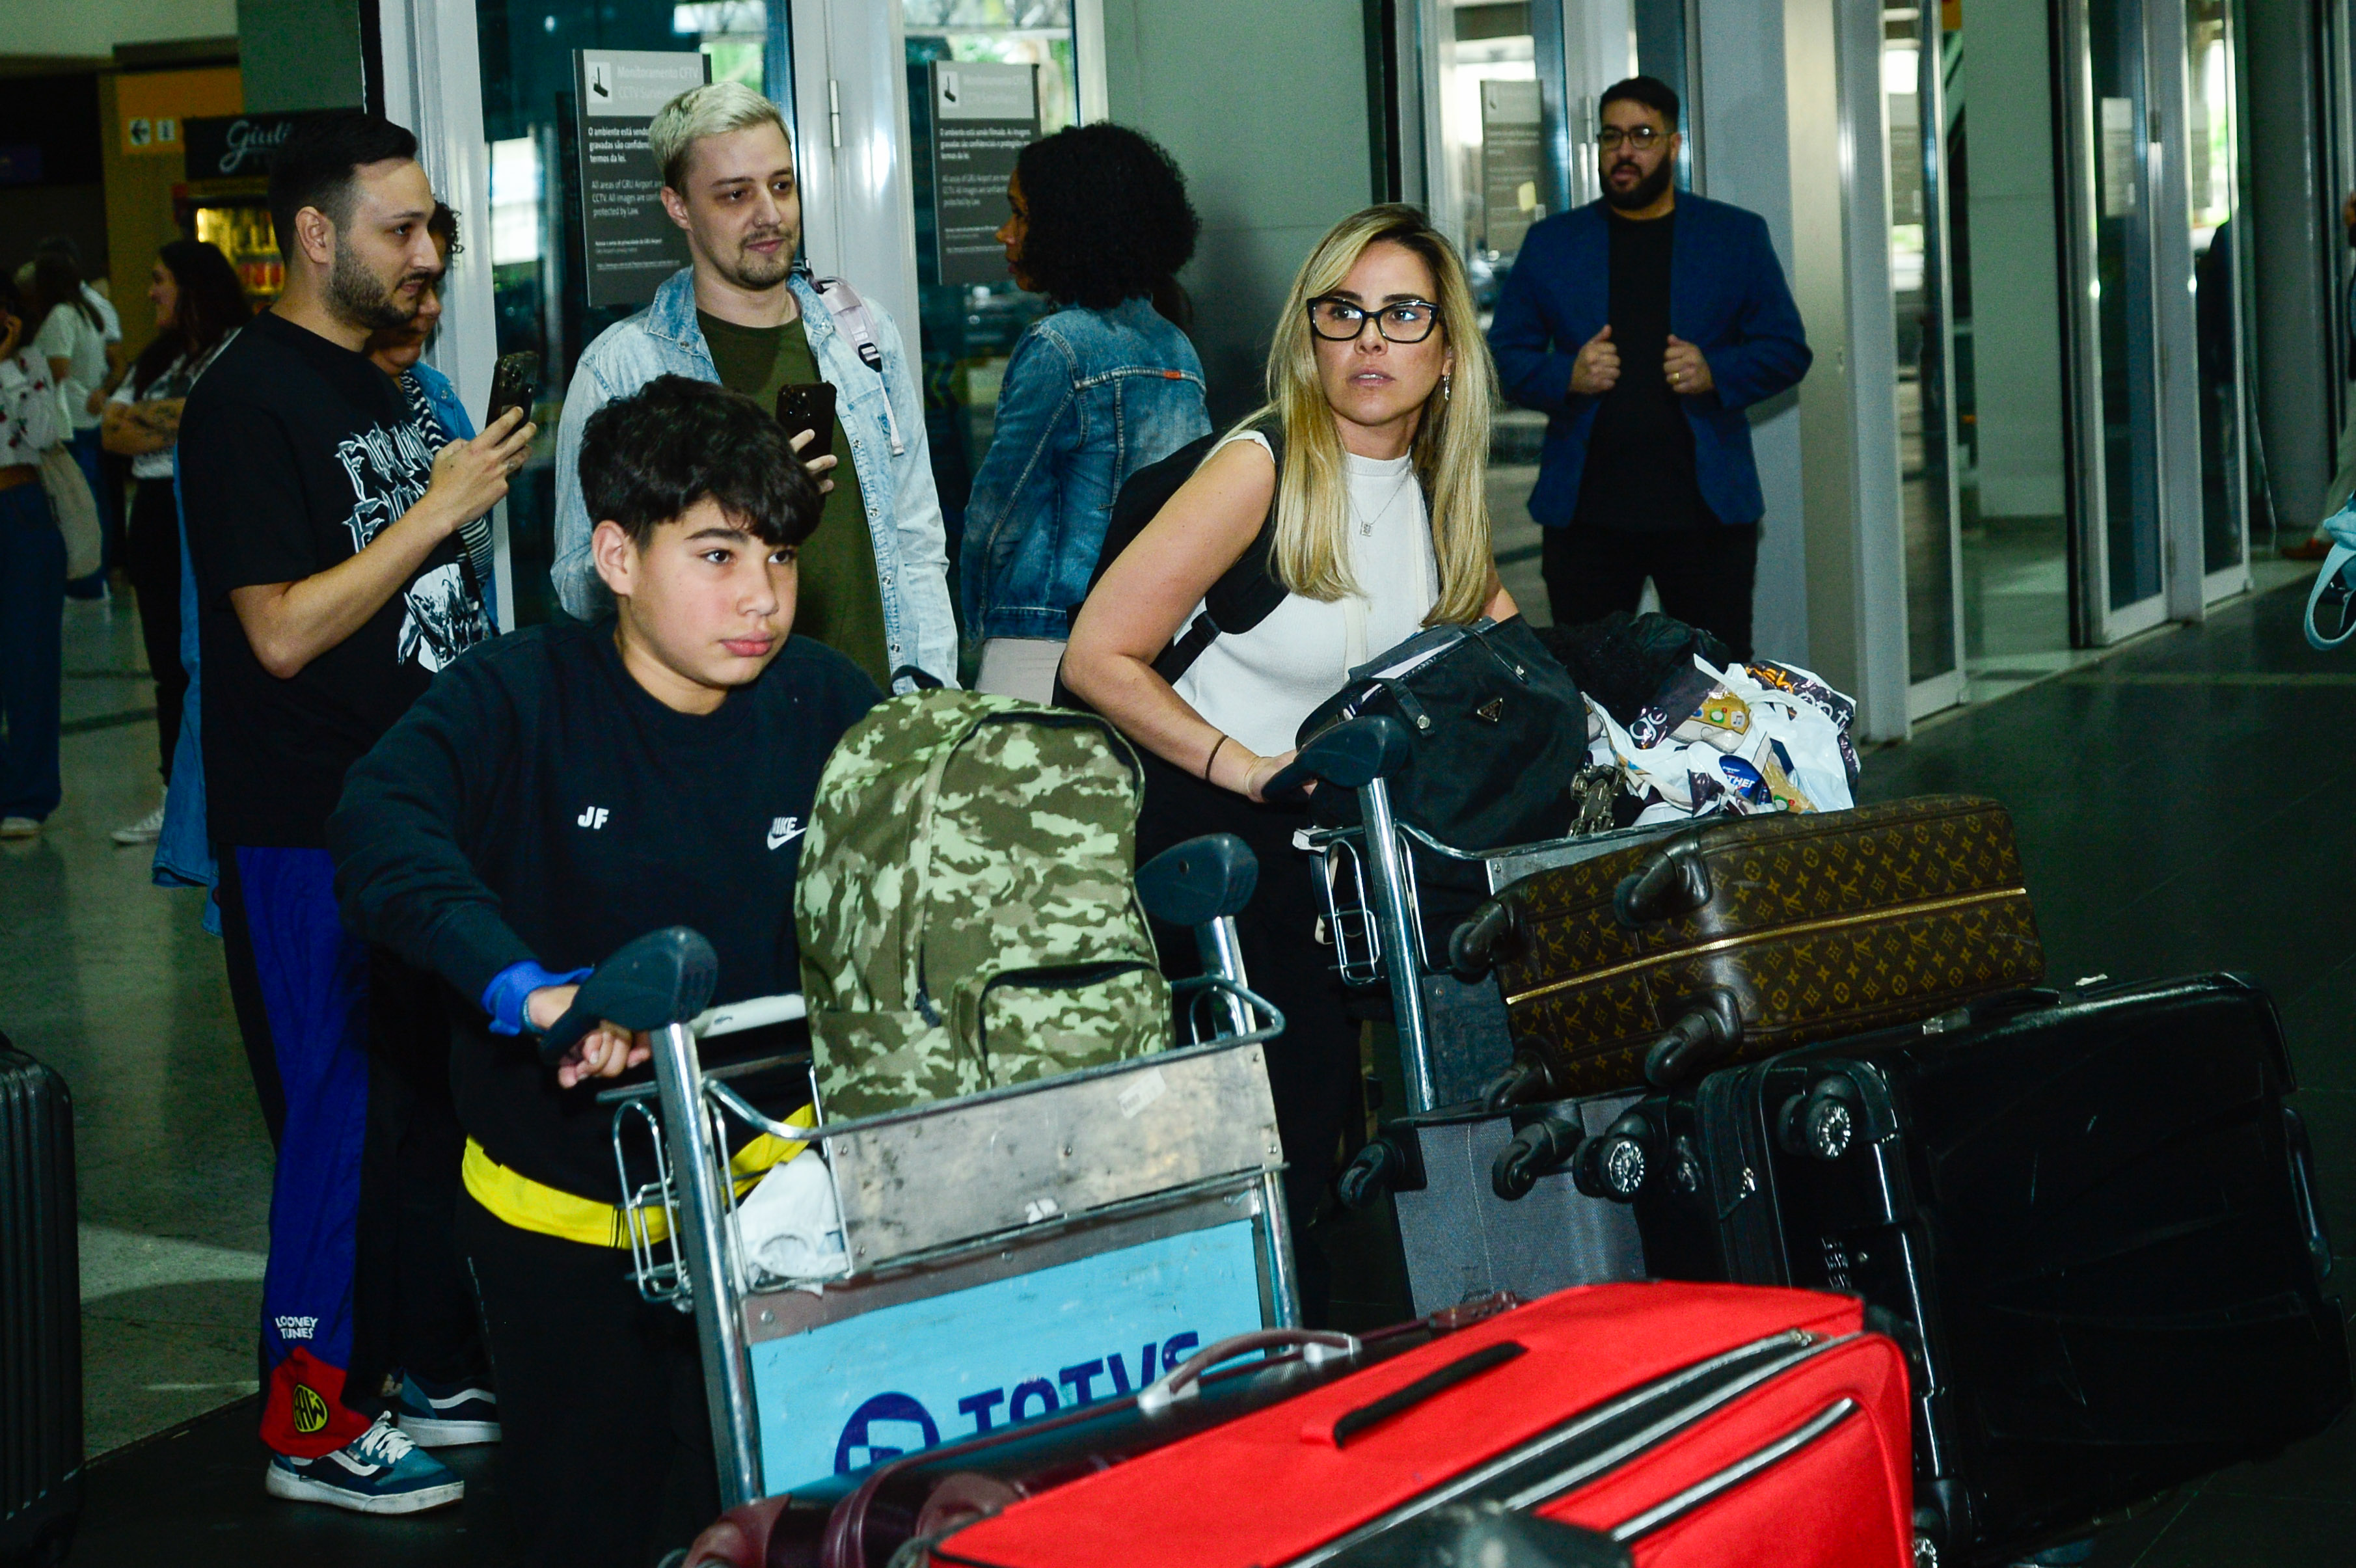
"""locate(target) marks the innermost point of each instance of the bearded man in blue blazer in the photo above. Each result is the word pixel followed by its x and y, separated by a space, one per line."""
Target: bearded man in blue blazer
pixel 1643 325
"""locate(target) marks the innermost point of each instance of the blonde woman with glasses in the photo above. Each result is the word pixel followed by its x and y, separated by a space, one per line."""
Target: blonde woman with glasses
pixel 1369 458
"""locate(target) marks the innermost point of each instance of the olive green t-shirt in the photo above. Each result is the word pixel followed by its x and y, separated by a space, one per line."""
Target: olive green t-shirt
pixel 839 602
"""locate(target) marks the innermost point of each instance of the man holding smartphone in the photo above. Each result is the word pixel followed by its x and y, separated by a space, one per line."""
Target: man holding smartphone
pixel 323 533
pixel 874 575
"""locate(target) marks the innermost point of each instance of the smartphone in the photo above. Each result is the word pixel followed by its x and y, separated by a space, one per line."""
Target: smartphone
pixel 811 408
pixel 514 384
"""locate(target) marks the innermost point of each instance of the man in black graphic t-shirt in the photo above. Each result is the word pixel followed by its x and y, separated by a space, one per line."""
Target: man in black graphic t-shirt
pixel 1645 324
pixel 331 586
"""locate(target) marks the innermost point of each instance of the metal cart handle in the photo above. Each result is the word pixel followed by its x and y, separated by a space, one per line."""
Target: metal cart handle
pixel 1184 1380
pixel 1362 754
pixel 1205 879
pixel 1205 883
pixel 754 1012
pixel 651 982
pixel 1352 755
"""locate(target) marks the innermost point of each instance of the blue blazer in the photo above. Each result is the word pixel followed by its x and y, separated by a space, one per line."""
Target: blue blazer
pixel 1727 297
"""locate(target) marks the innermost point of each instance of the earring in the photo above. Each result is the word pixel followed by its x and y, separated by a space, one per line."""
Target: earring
pixel 1446 392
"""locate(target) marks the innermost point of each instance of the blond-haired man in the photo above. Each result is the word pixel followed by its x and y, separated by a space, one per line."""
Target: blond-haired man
pixel 874 576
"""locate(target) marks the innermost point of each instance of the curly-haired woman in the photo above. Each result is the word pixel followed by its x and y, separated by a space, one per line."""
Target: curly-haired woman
pixel 1093 393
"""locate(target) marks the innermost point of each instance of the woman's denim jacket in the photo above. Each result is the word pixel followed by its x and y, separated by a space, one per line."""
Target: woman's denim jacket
pixel 1090 397
pixel 903 509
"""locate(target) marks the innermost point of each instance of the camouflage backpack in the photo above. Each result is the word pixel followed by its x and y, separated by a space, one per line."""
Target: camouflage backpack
pixel 964 906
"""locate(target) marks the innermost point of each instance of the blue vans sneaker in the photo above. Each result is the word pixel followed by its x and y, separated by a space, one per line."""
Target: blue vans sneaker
pixel 445 1415
pixel 381 1471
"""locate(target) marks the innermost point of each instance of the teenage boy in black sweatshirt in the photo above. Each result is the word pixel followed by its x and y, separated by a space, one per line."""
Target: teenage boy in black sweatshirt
pixel 551 796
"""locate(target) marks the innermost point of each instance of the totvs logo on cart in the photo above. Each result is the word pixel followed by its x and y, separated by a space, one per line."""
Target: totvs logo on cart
pixel 874 1385
pixel 891 1423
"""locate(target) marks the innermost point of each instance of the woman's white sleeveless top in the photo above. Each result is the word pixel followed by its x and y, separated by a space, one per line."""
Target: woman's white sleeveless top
pixel 1259 685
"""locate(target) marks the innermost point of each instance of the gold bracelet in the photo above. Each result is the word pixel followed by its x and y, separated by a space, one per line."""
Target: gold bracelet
pixel 1214 757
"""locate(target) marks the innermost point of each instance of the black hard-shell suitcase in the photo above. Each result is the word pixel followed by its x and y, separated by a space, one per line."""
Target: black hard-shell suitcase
pixel 40 1316
pixel 2091 1218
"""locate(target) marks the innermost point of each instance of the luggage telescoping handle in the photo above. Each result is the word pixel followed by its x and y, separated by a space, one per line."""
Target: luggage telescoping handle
pixel 2302 1174
pixel 1362 754
pixel 1184 1381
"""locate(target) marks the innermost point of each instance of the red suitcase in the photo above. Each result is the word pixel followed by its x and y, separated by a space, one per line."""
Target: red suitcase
pixel 1696 1425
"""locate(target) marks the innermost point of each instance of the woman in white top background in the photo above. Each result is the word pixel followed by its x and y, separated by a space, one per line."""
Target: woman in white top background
pixel 199 306
pixel 1380 386
pixel 72 338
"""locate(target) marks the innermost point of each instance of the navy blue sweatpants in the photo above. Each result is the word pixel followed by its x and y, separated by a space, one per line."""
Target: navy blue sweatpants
pixel 312 979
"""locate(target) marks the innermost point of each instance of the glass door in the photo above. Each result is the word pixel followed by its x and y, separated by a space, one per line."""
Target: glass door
pixel 1497 149
pixel 962 140
pixel 534 232
pixel 2212 172
pixel 2112 127
pixel 1913 86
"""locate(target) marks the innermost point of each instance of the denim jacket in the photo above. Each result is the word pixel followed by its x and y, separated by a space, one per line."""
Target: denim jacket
pixel 442 397
pixel 1089 397
pixel 903 511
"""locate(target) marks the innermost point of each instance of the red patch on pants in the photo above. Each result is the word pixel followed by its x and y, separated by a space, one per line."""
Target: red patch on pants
pixel 305 1416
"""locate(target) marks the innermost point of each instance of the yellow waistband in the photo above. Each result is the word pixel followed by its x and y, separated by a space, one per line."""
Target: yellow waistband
pixel 528 1205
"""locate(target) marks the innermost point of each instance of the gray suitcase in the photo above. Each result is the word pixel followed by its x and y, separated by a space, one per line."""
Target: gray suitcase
pixel 1468 1225
pixel 1464 1240
pixel 40 1316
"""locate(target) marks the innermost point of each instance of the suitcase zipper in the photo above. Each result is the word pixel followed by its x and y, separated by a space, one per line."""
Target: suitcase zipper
pixel 1661 1515
pixel 1598 1441
pixel 1774 934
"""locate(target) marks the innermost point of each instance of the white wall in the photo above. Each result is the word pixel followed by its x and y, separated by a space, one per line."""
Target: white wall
pixel 1265 109
pixel 2016 289
pixel 92 27
pixel 1744 125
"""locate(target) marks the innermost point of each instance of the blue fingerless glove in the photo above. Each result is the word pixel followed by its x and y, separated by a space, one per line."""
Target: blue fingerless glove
pixel 505 997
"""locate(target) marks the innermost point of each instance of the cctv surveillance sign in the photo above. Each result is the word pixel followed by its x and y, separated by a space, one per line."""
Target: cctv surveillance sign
pixel 629 244
pixel 984 114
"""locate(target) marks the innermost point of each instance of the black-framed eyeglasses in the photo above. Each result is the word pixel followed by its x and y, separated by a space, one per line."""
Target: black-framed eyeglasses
pixel 1401 321
pixel 1644 138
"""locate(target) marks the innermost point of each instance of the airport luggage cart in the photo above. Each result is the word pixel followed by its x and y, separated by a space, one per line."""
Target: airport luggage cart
pixel 1008 1252
pixel 1453 1038
pixel 1483 1198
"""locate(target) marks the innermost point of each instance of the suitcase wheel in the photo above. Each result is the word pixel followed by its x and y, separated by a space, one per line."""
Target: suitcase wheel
pixel 1822 1123
pixel 1538 1149
pixel 1615 1162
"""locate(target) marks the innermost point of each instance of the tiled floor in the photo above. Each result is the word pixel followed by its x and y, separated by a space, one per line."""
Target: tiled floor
pixel 113 981
pixel 2174 817
pixel 2180 807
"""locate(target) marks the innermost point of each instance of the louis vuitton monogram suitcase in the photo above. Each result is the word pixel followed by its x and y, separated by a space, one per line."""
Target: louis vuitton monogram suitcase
pixel 1741 938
